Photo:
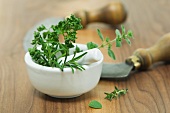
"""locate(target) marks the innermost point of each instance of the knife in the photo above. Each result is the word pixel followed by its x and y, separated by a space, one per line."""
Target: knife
pixel 113 13
pixel 141 59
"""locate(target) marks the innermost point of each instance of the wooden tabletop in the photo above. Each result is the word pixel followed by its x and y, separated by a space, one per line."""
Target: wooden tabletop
pixel 149 91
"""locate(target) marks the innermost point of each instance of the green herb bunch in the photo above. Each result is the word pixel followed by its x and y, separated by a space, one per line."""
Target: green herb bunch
pixel 46 44
pixel 47 49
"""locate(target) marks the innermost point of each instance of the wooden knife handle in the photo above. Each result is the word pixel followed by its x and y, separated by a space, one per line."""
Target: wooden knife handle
pixel 114 13
pixel 144 58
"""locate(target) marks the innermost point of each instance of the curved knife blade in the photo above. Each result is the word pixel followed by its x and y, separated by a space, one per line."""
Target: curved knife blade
pixel 120 70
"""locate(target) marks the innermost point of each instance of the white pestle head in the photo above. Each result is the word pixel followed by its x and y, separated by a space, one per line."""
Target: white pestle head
pixel 92 56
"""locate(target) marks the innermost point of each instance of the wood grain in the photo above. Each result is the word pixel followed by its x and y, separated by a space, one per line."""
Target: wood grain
pixel 149 91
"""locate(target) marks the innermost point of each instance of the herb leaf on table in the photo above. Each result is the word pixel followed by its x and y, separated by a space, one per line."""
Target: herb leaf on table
pixel 95 104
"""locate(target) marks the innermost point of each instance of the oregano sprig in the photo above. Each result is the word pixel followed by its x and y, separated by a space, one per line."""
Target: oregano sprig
pixel 115 94
pixel 107 43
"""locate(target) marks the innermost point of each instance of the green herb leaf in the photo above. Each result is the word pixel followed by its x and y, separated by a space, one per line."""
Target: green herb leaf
pixel 111 54
pixel 118 42
pixel 107 39
pixel 91 45
pixel 118 34
pixel 100 35
pixel 95 104
pixel 77 50
pixel 41 28
pixel 78 57
pixel 130 34
pixel 123 29
pixel 128 41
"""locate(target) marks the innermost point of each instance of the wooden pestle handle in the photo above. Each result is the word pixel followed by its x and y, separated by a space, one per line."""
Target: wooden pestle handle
pixel 158 52
pixel 114 13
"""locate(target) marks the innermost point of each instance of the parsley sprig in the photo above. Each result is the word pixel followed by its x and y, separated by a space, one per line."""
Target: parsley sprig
pixel 116 93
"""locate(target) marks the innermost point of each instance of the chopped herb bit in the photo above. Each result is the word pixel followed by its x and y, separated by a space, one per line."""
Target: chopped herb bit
pixel 115 94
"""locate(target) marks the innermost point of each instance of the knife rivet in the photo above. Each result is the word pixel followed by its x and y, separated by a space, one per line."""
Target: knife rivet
pixel 135 61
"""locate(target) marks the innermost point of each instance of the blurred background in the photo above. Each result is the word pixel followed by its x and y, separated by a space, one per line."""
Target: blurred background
pixel 145 18
pixel 148 19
